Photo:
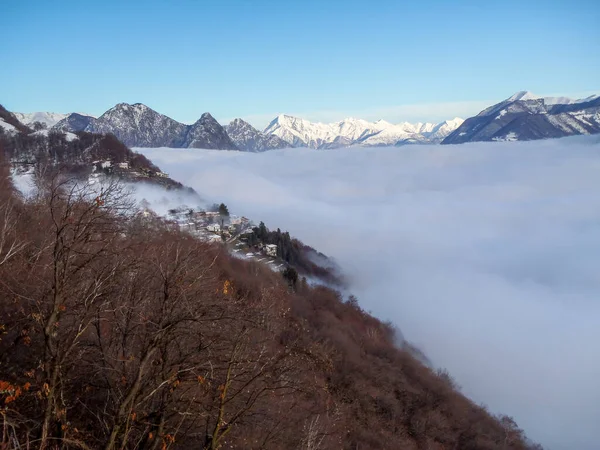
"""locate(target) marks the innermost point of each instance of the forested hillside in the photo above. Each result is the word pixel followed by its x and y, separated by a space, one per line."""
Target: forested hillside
pixel 117 332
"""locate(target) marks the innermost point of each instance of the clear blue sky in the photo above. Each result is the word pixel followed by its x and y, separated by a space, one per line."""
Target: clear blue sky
pixel 324 59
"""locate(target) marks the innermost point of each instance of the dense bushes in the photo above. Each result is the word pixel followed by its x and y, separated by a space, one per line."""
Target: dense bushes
pixel 302 257
pixel 116 332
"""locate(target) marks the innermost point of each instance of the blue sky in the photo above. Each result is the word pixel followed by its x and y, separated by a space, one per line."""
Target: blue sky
pixel 323 60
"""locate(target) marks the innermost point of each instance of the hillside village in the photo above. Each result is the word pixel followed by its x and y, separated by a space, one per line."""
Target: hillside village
pixel 124 170
pixel 216 225
pixel 247 241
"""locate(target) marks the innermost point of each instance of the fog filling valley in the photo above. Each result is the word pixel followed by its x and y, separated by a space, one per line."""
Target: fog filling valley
pixel 486 256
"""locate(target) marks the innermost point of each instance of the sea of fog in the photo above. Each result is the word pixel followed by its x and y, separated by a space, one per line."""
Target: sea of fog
pixel 486 256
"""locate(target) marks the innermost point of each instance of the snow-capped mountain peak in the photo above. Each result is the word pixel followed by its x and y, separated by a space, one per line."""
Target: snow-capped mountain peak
pixel 522 95
pixel 248 138
pixel 139 125
pixel 303 133
pixel 383 123
pixel 206 132
pixel 524 116
pixel 48 119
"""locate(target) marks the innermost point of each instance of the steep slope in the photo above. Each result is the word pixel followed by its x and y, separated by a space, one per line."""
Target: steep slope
pixel 74 122
pixel 211 341
pixel 10 123
pixel 199 341
pixel 208 133
pixel 140 126
pixel 48 119
pixel 303 133
pixel 248 138
pixel 524 116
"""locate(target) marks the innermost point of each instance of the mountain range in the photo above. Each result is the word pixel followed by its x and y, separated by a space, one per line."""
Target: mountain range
pixel 47 119
pixel 302 133
pixel 522 116
pixel 138 125
pixel 525 117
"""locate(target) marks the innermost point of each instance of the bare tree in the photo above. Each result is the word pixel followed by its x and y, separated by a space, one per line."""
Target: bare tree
pixel 82 230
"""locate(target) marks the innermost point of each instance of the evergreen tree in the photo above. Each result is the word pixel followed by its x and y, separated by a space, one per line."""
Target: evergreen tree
pixel 291 275
pixel 223 210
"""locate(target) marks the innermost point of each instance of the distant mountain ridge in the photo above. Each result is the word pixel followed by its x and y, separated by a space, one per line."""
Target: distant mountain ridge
pixel 303 133
pixel 137 125
pixel 525 116
pixel 248 138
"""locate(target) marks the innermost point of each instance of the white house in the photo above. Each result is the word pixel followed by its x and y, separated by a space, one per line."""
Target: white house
pixel 271 250
pixel 123 165
pixel 214 228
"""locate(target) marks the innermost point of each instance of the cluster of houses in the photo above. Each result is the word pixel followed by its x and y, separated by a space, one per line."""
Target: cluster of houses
pixel 108 166
pixel 208 224
pixel 211 226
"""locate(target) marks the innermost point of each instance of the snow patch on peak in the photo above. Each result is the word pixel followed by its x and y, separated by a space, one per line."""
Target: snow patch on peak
pixel 522 95
pixel 383 123
pixel 207 116
pixel 49 119
pixel 456 121
pixel 68 135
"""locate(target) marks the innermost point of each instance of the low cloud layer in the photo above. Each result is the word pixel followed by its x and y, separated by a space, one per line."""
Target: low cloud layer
pixel 160 200
pixel 486 256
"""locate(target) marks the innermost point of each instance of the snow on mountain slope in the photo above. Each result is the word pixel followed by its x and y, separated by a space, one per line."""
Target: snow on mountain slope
pixel 299 132
pixel 49 119
pixel 208 133
pixel 74 122
pixel 524 116
pixel 7 126
pixel 443 129
pixel 68 135
pixel 389 136
pixel 523 95
pixel 249 139
pixel 9 123
pixel 303 133
pixel 137 125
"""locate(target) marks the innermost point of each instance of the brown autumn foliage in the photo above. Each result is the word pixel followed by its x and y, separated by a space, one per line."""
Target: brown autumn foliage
pixel 118 333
